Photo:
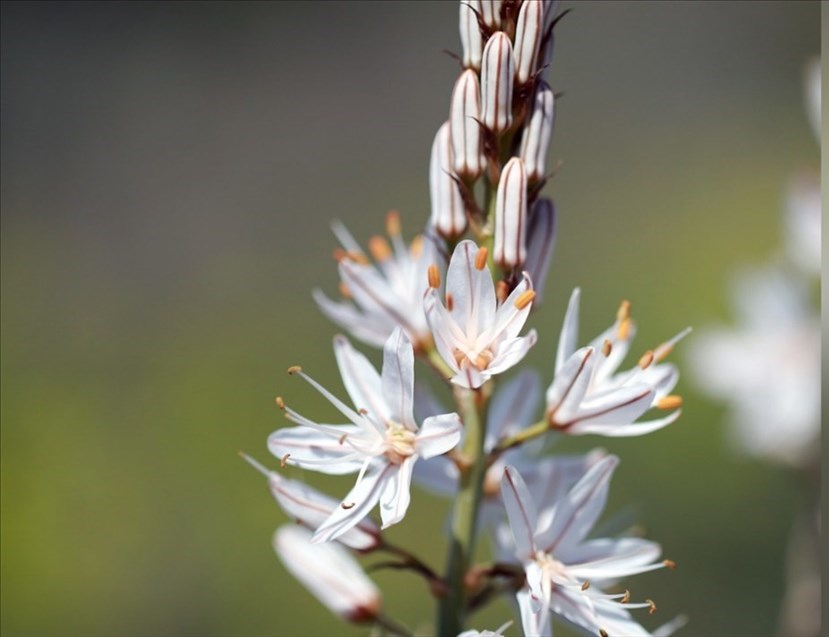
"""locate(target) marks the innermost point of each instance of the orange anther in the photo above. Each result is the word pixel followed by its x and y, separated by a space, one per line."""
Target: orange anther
pixel 524 299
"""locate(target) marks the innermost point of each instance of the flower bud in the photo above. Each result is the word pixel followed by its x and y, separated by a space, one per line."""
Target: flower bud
pixel 538 131
pixel 491 13
pixel 471 39
pixel 448 215
pixel 464 117
pixel 497 75
pixel 329 573
pixel 541 235
pixel 528 35
pixel 509 249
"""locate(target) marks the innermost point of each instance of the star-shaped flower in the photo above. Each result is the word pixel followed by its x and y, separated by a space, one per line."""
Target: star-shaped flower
pixel 476 336
pixel 565 572
pixel 588 395
pixel 381 444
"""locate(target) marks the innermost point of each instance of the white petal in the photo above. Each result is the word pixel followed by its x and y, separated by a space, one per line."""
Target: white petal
pixel 445 332
pixel 572 381
pixel 623 430
pixel 470 377
pixel 613 558
pixel 394 501
pixel 398 378
pixel 472 290
pixel 509 319
pixel 316 450
pixel 578 511
pixel 438 475
pixel 533 624
pixel 361 380
pixel 623 405
pixel 438 435
pixel 357 504
pixel 361 326
pixel 521 512
pixel 568 339
pixel 512 354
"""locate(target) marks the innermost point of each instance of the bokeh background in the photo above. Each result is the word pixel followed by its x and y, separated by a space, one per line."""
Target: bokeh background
pixel 169 172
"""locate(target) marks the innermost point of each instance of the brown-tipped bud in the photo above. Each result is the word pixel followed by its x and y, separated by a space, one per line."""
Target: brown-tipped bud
pixel 510 245
pixel 491 13
pixel 527 38
pixel 497 75
pixel 434 276
pixel 541 236
pixel 465 128
pixel 535 141
pixel 448 215
pixel 471 39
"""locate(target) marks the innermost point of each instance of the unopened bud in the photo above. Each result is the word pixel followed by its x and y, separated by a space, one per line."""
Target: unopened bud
pixel 448 216
pixel 538 131
pixel 541 238
pixel 471 39
pixel 509 249
pixel 465 129
pixel 491 13
pixel 329 573
pixel 527 38
pixel 497 75
pixel 545 56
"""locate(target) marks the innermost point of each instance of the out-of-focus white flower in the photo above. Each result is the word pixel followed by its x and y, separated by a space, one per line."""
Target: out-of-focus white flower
pixel 382 442
pixel 812 88
pixel 802 224
pixel 311 507
pixel 475 336
pixel 565 572
pixel 386 294
pixel 768 367
pixel 329 573
pixel 587 394
pixel 542 235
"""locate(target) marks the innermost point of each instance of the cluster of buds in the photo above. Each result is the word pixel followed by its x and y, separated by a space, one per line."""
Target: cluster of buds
pixel 498 135
pixel 454 302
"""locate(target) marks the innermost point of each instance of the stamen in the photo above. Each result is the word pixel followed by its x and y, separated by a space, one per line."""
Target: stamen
pixel 343 438
pixel 646 360
pixel 362 411
pixel 284 460
pixel 607 347
pixel 350 505
pixel 280 402
pixel 416 246
pixel 585 585
pixel 393 223
pixel 669 564
pixel 450 301
pixel 501 291
pixel 483 359
pixel 379 248
pixel 625 598
pixel 624 330
pixel 667 347
pixel 294 369
pixel 480 258
pixel 623 312
pixel 524 299
pixel 602 632
pixel 344 291
pixel 339 254
pixel 669 402
pixel 357 257
pixel 434 277
pixel 651 606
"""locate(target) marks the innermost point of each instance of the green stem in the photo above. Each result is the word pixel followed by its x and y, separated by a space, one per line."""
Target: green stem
pixel 533 431
pixel 452 611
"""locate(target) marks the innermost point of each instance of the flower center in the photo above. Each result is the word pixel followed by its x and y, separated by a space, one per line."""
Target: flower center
pixel 481 360
pixel 399 442
pixel 553 570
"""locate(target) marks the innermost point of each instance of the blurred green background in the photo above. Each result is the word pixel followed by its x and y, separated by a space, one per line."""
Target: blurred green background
pixel 169 172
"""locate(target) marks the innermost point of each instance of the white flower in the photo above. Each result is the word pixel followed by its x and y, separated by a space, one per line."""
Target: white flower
pixel 329 572
pixel 311 508
pixel 476 337
pixel 587 394
pixel 565 571
pixel 768 367
pixel 382 442
pixel 385 294
pixel 498 632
